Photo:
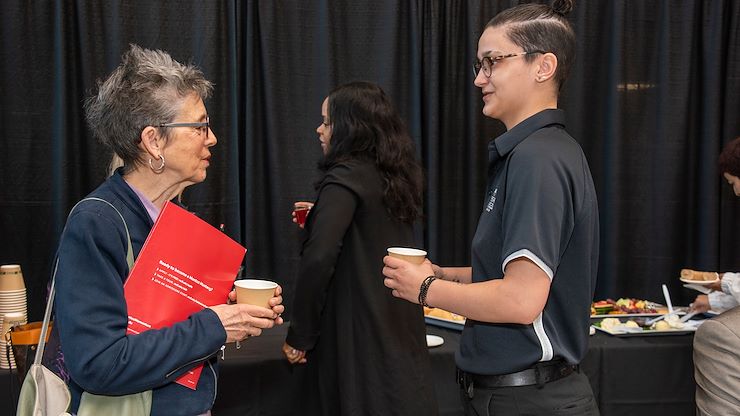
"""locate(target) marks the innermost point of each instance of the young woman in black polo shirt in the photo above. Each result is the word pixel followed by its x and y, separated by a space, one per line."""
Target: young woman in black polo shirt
pixel 535 251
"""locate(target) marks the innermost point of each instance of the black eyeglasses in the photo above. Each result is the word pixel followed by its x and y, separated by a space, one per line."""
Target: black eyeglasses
pixel 488 62
pixel 202 127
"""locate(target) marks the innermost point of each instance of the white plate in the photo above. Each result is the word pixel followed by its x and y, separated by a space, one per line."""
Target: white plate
pixel 434 341
pixel 699 282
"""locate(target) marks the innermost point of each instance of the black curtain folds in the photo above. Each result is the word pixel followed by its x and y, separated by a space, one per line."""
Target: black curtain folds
pixel 653 96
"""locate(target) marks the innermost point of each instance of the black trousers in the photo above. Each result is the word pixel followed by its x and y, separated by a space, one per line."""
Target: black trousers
pixel 571 395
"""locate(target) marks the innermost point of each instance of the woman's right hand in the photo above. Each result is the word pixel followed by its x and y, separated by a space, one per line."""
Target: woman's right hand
pixel 700 305
pixel 241 320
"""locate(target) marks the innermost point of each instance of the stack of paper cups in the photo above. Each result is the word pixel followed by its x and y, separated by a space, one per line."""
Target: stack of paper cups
pixel 13 307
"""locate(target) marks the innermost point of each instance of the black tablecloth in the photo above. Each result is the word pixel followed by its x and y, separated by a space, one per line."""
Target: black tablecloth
pixel 642 375
pixel 635 375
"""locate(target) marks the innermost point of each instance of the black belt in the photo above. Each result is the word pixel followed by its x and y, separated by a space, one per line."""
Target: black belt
pixel 539 374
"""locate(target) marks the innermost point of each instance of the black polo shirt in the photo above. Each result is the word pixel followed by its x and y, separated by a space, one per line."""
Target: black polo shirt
pixel 540 204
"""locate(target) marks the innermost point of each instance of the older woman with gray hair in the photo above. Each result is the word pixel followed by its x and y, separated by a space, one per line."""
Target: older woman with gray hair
pixel 150 113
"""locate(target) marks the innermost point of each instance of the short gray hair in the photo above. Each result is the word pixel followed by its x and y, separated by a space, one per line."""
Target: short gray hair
pixel 146 89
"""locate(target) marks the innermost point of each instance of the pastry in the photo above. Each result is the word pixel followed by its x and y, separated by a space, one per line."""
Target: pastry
pixel 689 274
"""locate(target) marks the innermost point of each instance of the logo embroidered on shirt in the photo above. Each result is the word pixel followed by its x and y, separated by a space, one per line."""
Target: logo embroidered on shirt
pixel 492 201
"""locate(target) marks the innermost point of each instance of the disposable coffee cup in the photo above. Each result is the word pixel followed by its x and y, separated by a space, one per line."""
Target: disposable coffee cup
pixel 11 278
pixel 412 255
pixel 255 292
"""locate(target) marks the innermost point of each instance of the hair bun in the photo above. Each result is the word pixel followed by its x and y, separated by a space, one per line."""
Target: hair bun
pixel 562 7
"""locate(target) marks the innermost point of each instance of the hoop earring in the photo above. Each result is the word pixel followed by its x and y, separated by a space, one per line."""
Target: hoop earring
pixel 160 169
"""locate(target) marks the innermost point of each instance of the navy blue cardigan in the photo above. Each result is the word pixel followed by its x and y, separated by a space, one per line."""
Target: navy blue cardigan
pixel 91 315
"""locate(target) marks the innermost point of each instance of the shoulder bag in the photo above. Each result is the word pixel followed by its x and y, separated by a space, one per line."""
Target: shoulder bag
pixel 44 393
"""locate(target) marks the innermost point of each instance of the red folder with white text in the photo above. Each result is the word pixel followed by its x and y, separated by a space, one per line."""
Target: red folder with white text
pixel 185 265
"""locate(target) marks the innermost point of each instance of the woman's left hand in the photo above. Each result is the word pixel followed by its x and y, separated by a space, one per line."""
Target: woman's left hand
pixel 404 278
pixel 293 355
pixel 276 303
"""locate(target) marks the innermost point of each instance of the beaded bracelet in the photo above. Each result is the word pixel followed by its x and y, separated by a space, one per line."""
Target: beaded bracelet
pixel 424 288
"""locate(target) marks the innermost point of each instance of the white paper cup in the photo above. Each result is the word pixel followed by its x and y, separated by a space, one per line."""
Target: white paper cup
pixel 412 255
pixel 255 292
pixel 11 278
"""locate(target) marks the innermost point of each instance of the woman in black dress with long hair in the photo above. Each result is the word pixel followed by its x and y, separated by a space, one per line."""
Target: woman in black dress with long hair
pixel 365 349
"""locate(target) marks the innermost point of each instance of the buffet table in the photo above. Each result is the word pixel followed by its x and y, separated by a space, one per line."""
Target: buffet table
pixel 634 375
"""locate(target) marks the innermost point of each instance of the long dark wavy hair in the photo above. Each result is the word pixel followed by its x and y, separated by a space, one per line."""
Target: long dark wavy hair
pixel 365 126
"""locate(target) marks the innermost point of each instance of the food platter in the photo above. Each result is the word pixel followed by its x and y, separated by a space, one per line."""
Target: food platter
pixel 640 330
pixel 444 319
pixel 648 332
pixel 680 310
pixel 445 323
pixel 630 308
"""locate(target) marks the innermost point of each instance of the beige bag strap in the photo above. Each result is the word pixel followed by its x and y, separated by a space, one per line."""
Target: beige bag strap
pixel 47 316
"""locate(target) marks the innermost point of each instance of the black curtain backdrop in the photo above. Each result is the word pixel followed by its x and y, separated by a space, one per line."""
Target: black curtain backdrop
pixel 652 98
